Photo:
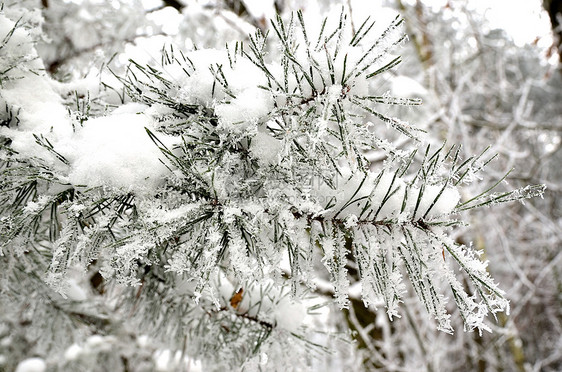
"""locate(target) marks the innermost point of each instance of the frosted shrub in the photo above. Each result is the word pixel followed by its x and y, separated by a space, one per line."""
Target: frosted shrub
pixel 202 209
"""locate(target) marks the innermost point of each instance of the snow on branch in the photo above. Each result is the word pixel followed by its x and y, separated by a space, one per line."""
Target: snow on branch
pixel 230 164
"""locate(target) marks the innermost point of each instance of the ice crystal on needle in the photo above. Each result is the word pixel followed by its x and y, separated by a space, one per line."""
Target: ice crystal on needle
pixel 220 189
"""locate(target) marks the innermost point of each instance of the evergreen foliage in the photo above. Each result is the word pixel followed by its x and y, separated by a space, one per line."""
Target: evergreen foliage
pixel 206 208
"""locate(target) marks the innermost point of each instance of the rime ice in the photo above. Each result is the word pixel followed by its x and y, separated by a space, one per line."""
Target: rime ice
pixel 233 192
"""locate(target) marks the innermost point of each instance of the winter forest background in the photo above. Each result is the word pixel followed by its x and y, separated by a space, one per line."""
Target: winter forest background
pixel 293 185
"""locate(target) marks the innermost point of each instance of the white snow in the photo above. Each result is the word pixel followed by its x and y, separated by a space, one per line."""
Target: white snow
pixel 75 292
pixel 73 352
pixel 130 108
pixel 393 203
pixel 261 9
pixel 288 314
pixel 356 185
pixel 361 188
pixel 266 301
pixel 34 207
pixel 32 365
pixel 116 151
pixel 167 361
pixel 163 358
pixel 28 93
pixel 95 341
pixel 403 86
pixel 249 106
pixel 41 108
pixel 446 202
pixel 443 205
pixel 265 148
pixel 202 86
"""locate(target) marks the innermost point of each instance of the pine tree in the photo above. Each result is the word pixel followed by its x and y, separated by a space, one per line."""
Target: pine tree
pixel 205 210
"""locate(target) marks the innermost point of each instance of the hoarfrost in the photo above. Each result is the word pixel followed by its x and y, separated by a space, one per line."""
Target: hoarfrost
pixel 32 365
